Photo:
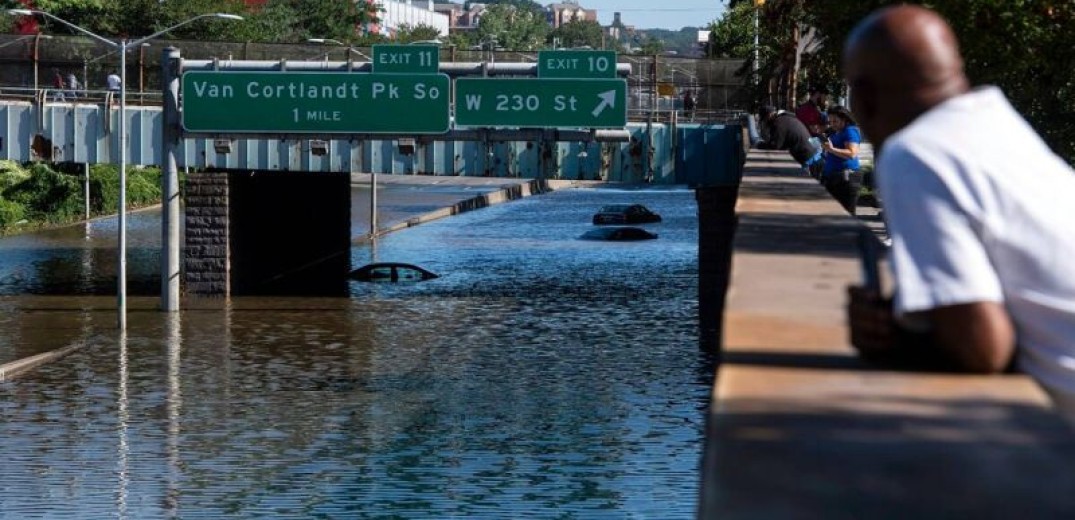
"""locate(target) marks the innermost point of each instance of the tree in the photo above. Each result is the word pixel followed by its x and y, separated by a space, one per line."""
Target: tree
pixel 418 33
pixel 652 46
pixel 529 5
pixel 579 33
pixel 732 36
pixel 512 28
pixel 459 39
pixel 1023 47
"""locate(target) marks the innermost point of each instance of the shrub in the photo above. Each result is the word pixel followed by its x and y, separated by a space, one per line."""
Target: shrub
pixel 11 173
pixel 143 187
pixel 11 212
pixel 48 195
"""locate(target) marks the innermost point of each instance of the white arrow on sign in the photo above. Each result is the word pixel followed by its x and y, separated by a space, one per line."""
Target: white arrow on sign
pixel 608 100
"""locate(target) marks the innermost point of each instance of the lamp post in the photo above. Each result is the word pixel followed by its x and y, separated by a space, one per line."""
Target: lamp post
pixel 122 46
pixel 86 66
pixel 758 4
pixel 373 176
pixel 330 41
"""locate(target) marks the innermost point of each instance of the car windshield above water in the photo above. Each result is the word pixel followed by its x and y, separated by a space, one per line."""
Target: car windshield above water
pixel 625 214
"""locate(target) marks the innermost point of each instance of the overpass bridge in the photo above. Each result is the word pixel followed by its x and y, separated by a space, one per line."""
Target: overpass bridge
pixel 87 132
pixel 250 158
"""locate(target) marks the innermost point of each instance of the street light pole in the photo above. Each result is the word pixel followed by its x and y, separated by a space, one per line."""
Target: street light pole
pixel 757 8
pixel 122 46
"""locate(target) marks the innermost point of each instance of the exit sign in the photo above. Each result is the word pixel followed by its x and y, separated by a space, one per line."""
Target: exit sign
pixel 576 64
pixel 407 59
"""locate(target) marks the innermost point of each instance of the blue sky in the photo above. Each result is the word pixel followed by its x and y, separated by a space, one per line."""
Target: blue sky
pixel 656 14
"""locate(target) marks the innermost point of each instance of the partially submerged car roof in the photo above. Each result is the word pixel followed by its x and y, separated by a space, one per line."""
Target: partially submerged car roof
pixel 371 272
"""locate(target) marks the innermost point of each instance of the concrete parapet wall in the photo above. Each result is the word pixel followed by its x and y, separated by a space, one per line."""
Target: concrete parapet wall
pixel 800 427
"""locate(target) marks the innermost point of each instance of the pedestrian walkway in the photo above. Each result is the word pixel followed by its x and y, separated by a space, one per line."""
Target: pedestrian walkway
pixel 801 428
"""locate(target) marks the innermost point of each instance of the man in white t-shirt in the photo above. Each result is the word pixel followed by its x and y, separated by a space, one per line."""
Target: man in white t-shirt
pixel 979 209
pixel 114 82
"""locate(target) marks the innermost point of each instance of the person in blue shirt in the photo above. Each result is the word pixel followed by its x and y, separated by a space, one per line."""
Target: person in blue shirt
pixel 841 176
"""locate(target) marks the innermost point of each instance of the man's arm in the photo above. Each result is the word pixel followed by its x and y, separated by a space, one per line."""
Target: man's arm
pixel 974 337
pixel 979 337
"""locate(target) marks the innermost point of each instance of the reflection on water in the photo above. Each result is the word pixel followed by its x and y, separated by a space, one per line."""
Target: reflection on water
pixel 540 377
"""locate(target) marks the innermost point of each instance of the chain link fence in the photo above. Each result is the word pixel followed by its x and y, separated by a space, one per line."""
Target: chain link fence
pixel 656 85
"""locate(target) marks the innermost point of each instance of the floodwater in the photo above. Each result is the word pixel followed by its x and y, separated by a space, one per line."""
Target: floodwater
pixel 540 376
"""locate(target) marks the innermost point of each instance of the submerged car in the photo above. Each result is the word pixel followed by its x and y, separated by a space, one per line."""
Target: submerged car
pixel 625 214
pixel 391 272
pixel 618 234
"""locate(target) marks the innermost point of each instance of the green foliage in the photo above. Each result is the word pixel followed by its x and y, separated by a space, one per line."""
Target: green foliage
pixel 732 36
pixel 460 39
pixel 43 195
pixel 578 33
pixel 513 28
pixel 1023 46
pixel 276 21
pixel 143 187
pixel 530 5
pixel 11 212
pixel 11 173
pixel 48 195
pixel 418 33
pixel 683 42
pixel 652 46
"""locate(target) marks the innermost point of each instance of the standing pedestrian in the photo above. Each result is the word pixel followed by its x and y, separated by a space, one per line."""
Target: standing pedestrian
pixel 114 82
pixel 74 88
pixel 58 85
pixel 841 176
pixel 812 112
pixel 689 104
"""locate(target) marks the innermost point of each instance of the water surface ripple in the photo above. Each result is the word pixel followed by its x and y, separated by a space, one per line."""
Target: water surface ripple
pixel 540 377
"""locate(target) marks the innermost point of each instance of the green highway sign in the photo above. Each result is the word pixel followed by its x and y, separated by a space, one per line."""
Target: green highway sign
pixel 410 59
pixel 577 64
pixel 541 103
pixel 314 102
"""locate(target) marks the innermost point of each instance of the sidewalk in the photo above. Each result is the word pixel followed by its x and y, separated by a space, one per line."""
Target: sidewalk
pixel 800 428
pixel 408 200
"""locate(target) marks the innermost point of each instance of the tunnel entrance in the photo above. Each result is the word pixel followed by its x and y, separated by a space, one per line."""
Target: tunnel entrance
pixel 290 233
pixel 260 232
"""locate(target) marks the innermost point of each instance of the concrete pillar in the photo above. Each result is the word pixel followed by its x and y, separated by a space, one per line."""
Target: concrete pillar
pixel 207 257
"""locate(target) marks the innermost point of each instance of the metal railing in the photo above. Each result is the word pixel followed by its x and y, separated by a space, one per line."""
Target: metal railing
pixel 680 116
pixel 54 95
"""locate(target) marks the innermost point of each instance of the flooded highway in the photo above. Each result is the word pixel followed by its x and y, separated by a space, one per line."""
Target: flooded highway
pixel 540 376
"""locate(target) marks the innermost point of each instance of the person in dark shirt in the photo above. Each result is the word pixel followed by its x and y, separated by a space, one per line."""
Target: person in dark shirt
pixel 786 132
pixel 812 112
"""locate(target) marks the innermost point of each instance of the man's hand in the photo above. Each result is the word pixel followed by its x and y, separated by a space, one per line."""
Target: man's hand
pixel 873 327
pixel 976 337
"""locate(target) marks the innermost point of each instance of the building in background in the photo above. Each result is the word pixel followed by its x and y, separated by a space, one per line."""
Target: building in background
pixel 461 18
pixel 393 14
pixel 559 14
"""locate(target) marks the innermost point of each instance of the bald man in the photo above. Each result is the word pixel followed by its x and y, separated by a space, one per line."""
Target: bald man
pixel 979 209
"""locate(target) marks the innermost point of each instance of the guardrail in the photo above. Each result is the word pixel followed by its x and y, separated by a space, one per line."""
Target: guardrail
pixel 680 116
pixel 53 95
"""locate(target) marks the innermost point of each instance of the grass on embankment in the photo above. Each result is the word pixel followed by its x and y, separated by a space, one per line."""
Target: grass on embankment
pixel 38 195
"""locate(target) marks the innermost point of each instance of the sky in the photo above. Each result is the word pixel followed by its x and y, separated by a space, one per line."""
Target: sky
pixel 656 14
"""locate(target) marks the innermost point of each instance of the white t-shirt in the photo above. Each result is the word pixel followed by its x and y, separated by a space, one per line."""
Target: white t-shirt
pixel 980 209
pixel 114 82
